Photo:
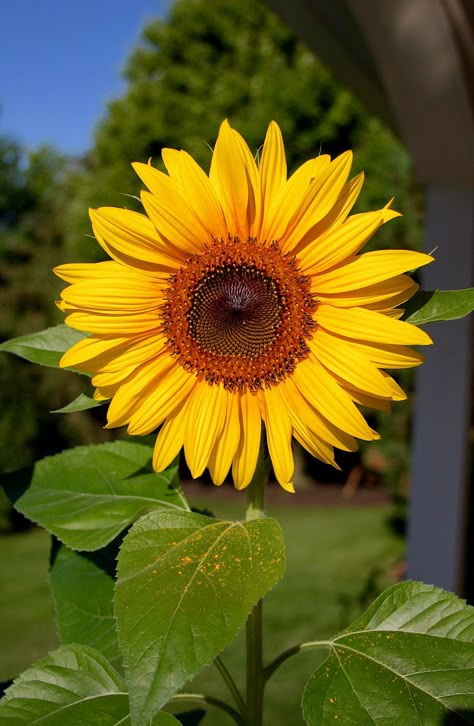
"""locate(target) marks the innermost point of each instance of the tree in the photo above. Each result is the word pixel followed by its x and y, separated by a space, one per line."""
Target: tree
pixel 209 61
pixel 34 195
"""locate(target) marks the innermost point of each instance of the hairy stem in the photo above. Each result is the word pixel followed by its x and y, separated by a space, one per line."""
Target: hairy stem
pixel 255 678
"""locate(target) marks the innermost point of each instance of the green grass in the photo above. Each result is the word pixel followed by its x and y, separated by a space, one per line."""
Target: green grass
pixel 338 559
pixel 27 628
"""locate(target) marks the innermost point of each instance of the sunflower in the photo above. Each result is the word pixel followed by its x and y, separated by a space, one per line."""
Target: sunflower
pixel 240 297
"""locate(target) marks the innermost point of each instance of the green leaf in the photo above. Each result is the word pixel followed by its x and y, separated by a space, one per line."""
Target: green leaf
pixel 70 677
pixel 186 584
pixel 408 660
pixel 431 306
pixel 83 402
pixel 73 685
pixel 82 585
pixel 45 347
pixel 88 495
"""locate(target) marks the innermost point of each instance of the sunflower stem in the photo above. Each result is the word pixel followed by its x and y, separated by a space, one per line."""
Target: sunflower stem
pixel 232 686
pixel 255 679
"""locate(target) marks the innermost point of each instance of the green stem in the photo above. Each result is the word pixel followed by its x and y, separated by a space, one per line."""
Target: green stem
pixel 272 667
pixel 255 679
pixel 231 685
pixel 200 699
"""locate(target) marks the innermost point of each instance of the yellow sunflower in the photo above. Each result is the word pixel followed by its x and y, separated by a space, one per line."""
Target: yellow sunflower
pixel 239 297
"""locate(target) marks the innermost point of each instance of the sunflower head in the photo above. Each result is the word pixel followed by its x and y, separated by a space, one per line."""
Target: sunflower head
pixel 240 297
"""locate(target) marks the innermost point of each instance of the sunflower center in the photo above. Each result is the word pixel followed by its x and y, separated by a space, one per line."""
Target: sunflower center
pixel 239 314
pixel 235 311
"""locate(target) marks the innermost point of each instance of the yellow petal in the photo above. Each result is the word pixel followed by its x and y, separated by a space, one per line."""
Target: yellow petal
pixel 118 293
pixel 245 460
pixel 131 239
pixel 364 399
pixel 339 243
pixel 348 363
pixel 113 324
pixel 279 430
pixel 198 191
pixel 286 207
pixel 368 325
pixel 315 446
pixel 170 212
pixel 272 164
pixel 326 395
pixel 136 351
pixel 135 392
pixel 92 347
pixel 204 423
pixel 319 200
pixel 170 438
pixel 370 269
pixel 78 271
pixel 160 399
pixel 382 295
pixel 336 215
pixel 98 395
pixel 389 356
pixel 234 177
pixel 398 394
pixel 226 444
pixel 112 378
pixel 299 408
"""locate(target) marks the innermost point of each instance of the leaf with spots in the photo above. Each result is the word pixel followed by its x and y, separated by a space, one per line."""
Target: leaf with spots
pixel 186 584
pixel 408 660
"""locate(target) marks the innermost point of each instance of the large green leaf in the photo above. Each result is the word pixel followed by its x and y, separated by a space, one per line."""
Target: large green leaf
pixel 45 347
pixel 82 584
pixel 88 495
pixel 431 306
pixel 408 660
pixel 186 584
pixel 73 685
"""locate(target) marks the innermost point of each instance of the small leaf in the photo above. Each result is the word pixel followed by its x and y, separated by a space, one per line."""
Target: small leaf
pixel 83 585
pixel 408 660
pixel 73 685
pixel 88 495
pixel 431 306
pixel 186 584
pixel 83 402
pixel 46 347
pixel 72 680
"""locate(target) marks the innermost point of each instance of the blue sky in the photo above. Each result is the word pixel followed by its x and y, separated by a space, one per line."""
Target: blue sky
pixel 61 61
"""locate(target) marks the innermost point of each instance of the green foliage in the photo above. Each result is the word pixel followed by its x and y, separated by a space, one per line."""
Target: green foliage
pixel 409 659
pixel 88 495
pixel 207 62
pixel 34 197
pixel 438 305
pixel 186 584
pixel 74 685
pixel 45 347
pixel 82 584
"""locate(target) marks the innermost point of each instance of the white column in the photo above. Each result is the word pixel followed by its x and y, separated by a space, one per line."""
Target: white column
pixel 441 447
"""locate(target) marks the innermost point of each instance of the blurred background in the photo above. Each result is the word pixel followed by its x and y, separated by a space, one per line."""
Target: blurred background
pixel 89 87
pixel 86 94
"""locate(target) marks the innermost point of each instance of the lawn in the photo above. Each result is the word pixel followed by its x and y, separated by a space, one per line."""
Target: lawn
pixel 338 558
